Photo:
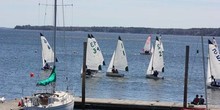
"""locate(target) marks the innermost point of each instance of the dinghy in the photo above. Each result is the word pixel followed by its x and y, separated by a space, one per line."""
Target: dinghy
pixel 147 47
pixel 118 61
pixel 213 69
pixel 156 64
pixel 94 57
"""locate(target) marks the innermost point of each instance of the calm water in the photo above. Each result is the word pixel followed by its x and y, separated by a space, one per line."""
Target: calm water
pixel 21 54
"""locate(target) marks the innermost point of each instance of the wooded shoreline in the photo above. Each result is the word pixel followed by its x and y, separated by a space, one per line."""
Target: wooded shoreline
pixel 136 30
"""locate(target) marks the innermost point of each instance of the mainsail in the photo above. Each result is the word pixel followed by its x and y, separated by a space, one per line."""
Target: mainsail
pixel 47 52
pixel 213 62
pixel 120 59
pixel 94 57
pixel 156 61
pixel 147 44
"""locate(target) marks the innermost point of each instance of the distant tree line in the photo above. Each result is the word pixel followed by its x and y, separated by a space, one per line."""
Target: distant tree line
pixel 138 30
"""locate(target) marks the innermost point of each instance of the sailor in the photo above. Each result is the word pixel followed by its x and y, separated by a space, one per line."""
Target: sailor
pixel 88 72
pixel 155 73
pixel 47 66
pixel 114 70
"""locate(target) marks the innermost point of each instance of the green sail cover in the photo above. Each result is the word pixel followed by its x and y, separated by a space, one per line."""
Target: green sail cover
pixel 50 79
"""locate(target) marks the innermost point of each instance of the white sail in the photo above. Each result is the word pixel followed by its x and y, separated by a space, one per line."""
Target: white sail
pixel 147 44
pixel 149 69
pixel 111 63
pixel 161 43
pixel 208 80
pixel 156 62
pixel 92 58
pixel 99 52
pixel 120 60
pixel 214 62
pixel 47 52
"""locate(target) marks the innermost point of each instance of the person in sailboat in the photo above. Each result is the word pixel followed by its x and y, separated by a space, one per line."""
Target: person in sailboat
pixel 46 66
pixel 214 82
pixel 155 73
pixel 88 72
pixel 114 70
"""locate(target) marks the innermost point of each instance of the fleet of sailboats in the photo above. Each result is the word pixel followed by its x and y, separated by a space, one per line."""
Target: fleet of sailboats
pixel 49 100
pixel 118 61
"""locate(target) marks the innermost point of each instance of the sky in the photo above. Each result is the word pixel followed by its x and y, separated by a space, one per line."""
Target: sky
pixel 125 13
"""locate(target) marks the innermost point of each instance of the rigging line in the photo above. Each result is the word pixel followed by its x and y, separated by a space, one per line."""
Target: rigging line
pixel 197 55
pixel 64 33
pixel 45 14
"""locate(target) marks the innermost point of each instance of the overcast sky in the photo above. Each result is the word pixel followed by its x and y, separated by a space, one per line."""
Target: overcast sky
pixel 127 13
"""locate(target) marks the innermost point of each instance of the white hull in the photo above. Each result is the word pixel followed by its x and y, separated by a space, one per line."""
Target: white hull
pixel 68 106
pixel 114 74
pixel 61 101
pixel 150 76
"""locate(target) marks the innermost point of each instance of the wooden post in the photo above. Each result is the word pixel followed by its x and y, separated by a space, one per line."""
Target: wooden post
pixel 204 72
pixel 84 75
pixel 186 77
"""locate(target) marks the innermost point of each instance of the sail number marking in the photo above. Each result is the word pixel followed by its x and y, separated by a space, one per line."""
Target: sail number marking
pixel 216 53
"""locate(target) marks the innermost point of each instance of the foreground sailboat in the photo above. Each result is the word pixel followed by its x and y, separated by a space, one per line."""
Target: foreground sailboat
pixel 118 61
pixel 147 47
pixel 94 57
pixel 156 65
pixel 213 70
pixel 50 100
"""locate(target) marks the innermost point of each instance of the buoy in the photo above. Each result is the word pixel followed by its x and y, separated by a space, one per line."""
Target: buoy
pixel 31 74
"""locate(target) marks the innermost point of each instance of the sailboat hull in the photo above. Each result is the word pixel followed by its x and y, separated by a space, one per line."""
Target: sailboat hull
pixel 114 74
pixel 213 87
pixel 145 53
pixel 153 77
pixel 62 101
pixel 68 106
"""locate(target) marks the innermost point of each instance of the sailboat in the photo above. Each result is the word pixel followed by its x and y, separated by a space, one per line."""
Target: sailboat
pixel 47 54
pixel 53 100
pixel 156 64
pixel 94 57
pixel 118 61
pixel 147 47
pixel 213 70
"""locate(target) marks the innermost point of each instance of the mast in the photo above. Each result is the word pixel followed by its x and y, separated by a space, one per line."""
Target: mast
pixel 55 29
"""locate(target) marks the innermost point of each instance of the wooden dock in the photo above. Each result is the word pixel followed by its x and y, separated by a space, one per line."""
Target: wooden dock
pixel 113 104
